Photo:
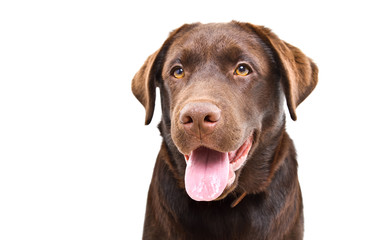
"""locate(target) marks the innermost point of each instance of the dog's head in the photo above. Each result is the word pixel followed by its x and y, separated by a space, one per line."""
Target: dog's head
pixel 222 89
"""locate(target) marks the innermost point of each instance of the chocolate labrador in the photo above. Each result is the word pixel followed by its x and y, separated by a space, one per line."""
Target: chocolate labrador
pixel 227 168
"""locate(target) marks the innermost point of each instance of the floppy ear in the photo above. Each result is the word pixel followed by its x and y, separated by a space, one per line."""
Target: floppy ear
pixel 144 88
pixel 299 73
pixel 144 81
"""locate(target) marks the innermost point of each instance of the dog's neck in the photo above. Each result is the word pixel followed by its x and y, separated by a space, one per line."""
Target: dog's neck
pixel 238 200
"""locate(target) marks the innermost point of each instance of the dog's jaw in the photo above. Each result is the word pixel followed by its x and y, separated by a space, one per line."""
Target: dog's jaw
pixel 238 158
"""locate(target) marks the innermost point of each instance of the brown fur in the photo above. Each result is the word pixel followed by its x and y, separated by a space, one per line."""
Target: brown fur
pixel 249 106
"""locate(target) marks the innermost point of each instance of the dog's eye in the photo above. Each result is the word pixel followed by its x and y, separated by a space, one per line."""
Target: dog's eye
pixel 242 70
pixel 178 73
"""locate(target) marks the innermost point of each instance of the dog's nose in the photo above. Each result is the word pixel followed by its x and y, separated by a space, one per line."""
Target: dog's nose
pixel 200 118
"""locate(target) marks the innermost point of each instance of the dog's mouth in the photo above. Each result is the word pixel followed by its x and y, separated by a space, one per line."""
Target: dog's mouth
pixel 209 172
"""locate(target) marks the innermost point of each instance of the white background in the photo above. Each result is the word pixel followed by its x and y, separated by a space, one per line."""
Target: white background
pixel 75 157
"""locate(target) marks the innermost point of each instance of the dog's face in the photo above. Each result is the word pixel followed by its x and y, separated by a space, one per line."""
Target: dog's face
pixel 222 88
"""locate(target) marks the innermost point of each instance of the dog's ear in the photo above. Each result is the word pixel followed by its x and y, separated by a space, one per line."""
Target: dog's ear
pixel 145 80
pixel 143 86
pixel 300 77
pixel 299 73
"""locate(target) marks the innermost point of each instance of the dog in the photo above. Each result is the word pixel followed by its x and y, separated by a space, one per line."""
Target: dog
pixel 227 168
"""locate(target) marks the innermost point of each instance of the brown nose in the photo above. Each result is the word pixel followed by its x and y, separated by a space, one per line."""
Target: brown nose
pixel 200 118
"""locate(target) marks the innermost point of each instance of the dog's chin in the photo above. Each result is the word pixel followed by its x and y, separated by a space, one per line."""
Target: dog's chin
pixel 211 175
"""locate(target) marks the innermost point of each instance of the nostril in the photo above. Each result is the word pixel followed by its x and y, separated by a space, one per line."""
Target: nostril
pixel 213 116
pixel 211 119
pixel 186 119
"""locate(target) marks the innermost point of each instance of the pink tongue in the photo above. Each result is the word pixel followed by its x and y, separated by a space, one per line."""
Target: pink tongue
pixel 207 174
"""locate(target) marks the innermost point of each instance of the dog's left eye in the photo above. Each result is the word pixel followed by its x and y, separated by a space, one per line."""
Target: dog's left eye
pixel 242 70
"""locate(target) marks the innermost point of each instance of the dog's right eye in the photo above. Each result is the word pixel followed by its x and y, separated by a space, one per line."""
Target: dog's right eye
pixel 178 73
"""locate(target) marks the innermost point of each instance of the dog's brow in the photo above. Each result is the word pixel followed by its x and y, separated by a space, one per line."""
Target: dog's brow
pixel 191 57
pixel 231 54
